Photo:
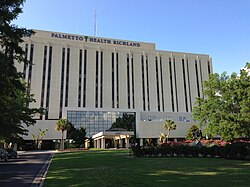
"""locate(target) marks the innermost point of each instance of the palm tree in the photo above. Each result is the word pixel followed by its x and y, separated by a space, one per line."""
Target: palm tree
pixel 162 137
pixel 168 126
pixel 38 138
pixel 62 125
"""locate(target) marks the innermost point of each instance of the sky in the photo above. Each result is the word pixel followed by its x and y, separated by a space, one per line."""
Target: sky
pixel 219 28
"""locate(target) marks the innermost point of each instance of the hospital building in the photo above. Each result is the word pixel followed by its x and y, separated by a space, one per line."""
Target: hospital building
pixel 92 81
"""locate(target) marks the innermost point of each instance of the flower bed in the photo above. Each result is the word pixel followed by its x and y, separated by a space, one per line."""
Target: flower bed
pixel 239 150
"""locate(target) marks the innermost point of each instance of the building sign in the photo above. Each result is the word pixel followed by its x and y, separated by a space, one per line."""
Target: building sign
pixel 94 40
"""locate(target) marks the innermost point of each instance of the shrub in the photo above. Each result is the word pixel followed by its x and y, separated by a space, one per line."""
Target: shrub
pixel 236 150
pixel 166 150
pixel 192 133
pixel 215 151
pixel 48 145
pixel 194 151
pixel 137 151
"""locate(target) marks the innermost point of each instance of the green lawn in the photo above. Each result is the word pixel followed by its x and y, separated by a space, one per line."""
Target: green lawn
pixel 115 168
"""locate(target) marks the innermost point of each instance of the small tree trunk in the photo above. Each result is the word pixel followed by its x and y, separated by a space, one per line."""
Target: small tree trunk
pixel 39 144
pixel 62 142
pixel 168 135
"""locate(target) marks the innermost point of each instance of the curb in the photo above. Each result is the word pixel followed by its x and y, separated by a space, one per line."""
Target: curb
pixel 39 179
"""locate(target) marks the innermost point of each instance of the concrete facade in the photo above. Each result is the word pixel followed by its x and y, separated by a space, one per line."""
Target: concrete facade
pixel 93 80
pixel 120 138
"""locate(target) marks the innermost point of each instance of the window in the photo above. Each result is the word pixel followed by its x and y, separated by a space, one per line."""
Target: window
pixel 167 117
pixel 96 79
pixel 128 81
pixel 208 68
pixel 43 77
pixel 30 71
pixel 96 121
pixel 147 82
pixel 25 61
pixel 171 84
pixel 80 79
pixel 62 82
pixel 67 78
pixel 176 94
pixel 113 79
pixel 48 82
pixel 143 82
pixel 30 65
pixel 184 83
pixel 151 118
pixel 197 78
pixel 117 80
pixel 201 76
pixel 162 92
pixel 189 88
pixel 84 78
pixel 101 81
pixel 133 88
pixel 184 119
pixel 180 118
pixel 200 70
pixel 157 83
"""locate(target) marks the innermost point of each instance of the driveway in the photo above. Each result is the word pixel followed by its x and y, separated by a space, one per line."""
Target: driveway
pixel 25 171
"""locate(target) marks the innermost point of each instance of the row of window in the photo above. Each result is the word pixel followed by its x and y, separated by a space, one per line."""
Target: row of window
pixel 29 66
pixel 94 121
pixel 115 95
pixel 154 118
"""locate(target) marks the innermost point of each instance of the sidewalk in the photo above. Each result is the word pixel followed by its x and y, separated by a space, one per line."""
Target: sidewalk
pixel 39 179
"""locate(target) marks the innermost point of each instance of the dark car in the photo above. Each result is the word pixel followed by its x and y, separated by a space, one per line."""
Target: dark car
pixel 11 153
pixel 3 155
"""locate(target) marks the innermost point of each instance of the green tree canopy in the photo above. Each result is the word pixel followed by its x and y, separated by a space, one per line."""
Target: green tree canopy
pixel 62 125
pixel 168 126
pixel 127 121
pixel 193 133
pixel 14 98
pixel 77 135
pixel 225 109
pixel 38 137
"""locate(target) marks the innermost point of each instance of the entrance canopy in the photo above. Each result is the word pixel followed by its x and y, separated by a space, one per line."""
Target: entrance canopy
pixel 118 135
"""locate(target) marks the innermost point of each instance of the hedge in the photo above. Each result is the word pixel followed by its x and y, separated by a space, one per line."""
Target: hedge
pixel 236 150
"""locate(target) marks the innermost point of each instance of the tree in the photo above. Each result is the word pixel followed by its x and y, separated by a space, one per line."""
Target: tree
pixel 162 137
pixel 225 109
pixel 193 133
pixel 168 126
pixel 62 125
pixel 127 121
pixel 77 135
pixel 38 138
pixel 14 98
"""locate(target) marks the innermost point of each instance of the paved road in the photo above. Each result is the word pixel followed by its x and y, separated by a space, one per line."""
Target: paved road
pixel 22 171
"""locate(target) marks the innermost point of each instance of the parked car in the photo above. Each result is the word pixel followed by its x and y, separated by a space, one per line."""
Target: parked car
pixel 11 153
pixel 3 155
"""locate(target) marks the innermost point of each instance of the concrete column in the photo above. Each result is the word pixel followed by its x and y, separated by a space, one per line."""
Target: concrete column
pixel 159 141
pixel 15 147
pixel 103 143
pixel 127 142
pixel 115 144
pixel 141 141
pixel 120 142
pixel 98 144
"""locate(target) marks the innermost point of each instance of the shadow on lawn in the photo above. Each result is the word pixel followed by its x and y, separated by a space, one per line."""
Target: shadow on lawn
pixel 112 168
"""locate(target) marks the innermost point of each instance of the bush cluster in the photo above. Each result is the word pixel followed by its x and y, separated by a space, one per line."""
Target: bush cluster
pixel 236 150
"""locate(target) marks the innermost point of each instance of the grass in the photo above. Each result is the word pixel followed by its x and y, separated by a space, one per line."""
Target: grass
pixel 115 168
